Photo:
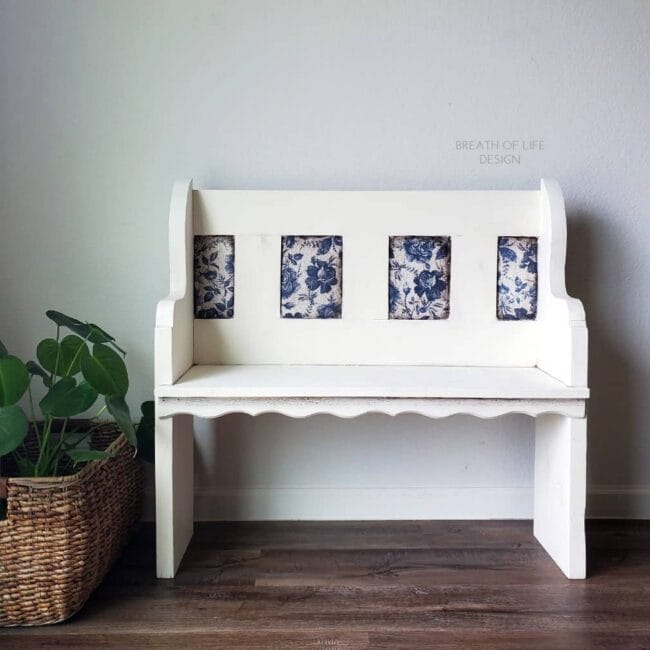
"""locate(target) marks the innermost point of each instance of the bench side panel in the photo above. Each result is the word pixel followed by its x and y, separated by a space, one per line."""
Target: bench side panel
pixel 562 338
pixel 174 334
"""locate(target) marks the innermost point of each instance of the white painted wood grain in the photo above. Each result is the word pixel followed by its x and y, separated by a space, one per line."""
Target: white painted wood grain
pixel 562 337
pixel 351 407
pixel 174 491
pixel 370 381
pixel 174 334
pixel 560 490
pixel 471 336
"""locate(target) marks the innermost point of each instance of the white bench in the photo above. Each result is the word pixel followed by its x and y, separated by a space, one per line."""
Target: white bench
pixel 258 357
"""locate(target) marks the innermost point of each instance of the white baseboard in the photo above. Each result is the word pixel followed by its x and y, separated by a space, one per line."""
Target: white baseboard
pixel 619 502
pixel 268 503
pixel 471 502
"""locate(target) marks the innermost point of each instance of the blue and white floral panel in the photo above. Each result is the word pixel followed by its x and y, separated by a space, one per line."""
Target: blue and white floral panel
pixel 418 277
pixel 214 276
pixel 311 285
pixel 517 278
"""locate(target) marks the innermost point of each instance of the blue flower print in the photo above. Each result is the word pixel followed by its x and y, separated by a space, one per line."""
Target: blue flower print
pixel 429 284
pixel 329 310
pixel 311 276
pixel 517 278
pixel 418 277
pixel 321 275
pixel 214 276
pixel 289 281
pixel 393 296
pixel 418 249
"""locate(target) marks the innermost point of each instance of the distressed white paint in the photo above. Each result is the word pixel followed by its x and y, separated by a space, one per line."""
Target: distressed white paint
pixel 174 337
pixel 560 490
pixel 352 407
pixel 174 491
pixel 562 342
pixel 257 335
pixel 370 381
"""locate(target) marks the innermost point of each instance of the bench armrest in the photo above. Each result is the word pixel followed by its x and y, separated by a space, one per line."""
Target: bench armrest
pixel 562 345
pixel 174 336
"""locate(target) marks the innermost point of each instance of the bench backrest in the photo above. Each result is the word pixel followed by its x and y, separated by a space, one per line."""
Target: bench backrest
pixel 471 334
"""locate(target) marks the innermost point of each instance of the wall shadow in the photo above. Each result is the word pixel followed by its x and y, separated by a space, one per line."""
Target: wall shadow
pixel 612 409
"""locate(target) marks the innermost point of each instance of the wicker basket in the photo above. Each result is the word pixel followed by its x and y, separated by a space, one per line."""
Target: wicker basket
pixel 61 535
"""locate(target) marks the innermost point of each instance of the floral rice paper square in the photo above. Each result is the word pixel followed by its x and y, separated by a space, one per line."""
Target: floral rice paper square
pixel 418 277
pixel 311 276
pixel 214 276
pixel 517 278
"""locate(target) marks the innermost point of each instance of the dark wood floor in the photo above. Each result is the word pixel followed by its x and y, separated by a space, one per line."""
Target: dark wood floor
pixel 368 585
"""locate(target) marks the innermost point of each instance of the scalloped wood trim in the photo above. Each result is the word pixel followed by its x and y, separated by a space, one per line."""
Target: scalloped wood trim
pixel 350 407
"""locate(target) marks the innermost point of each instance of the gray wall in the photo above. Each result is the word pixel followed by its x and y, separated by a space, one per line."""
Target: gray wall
pixel 104 104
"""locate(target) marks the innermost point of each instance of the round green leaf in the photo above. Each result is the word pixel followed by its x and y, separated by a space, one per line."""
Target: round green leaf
pixel 13 428
pixel 70 351
pixel 46 352
pixel 3 350
pixel 105 371
pixel 14 380
pixel 66 398
pixel 73 349
pixel 119 409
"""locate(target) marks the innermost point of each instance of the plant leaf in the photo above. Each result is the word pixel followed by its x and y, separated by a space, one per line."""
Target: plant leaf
pixel 105 371
pixel 14 380
pixel 93 333
pixel 71 350
pixel 3 350
pixel 34 369
pixel 119 409
pixel 13 428
pixel 66 399
pixel 46 352
pixel 62 320
pixel 89 331
pixel 84 455
pixel 145 432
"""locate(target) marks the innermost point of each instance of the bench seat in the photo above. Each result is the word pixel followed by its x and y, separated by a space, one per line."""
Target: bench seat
pixel 446 382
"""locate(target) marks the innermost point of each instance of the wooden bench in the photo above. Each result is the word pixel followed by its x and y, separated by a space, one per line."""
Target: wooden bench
pixel 436 303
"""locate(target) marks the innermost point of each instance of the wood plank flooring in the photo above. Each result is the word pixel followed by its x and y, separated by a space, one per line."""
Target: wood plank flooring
pixel 390 585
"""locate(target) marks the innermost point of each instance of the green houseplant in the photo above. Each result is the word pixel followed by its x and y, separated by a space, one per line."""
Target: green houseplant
pixel 72 488
pixel 77 369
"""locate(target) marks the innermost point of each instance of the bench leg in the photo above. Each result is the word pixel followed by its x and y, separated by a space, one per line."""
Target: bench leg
pixel 174 491
pixel 560 490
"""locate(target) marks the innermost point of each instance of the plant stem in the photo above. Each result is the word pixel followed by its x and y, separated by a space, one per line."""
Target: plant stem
pixel 31 407
pixel 58 351
pixel 44 445
pixel 76 356
pixel 53 460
